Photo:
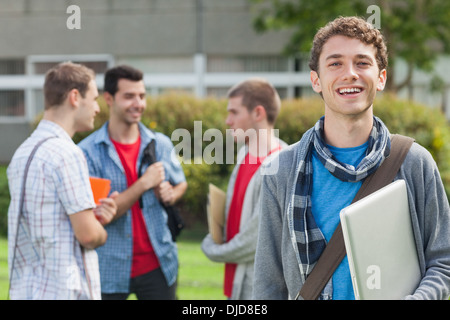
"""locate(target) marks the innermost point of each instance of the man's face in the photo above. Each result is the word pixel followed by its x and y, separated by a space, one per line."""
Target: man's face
pixel 88 108
pixel 239 119
pixel 348 76
pixel 129 102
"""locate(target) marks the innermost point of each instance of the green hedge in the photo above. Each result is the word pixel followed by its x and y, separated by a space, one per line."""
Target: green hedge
pixel 171 111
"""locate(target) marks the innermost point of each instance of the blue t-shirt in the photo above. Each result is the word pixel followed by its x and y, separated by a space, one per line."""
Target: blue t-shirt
pixel 329 196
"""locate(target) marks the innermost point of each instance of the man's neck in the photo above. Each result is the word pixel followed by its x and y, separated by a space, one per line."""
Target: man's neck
pixel 347 132
pixel 61 118
pixel 264 143
pixel 123 132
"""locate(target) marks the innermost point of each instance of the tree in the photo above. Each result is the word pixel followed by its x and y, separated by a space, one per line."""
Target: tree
pixel 417 31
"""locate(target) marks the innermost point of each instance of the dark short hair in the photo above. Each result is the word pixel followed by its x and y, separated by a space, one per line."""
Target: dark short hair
pixel 351 27
pixel 62 78
pixel 113 75
pixel 255 92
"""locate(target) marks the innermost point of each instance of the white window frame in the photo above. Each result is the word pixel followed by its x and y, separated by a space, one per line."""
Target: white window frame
pixel 31 81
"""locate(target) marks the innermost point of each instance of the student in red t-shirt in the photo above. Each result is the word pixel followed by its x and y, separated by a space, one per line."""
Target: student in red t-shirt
pixel 139 256
pixel 253 107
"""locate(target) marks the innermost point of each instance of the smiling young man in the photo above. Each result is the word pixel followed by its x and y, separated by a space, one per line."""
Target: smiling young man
pixel 139 256
pixel 321 174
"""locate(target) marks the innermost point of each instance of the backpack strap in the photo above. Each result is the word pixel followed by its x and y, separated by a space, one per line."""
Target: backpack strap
pixel 335 250
pixel 174 220
pixel 148 157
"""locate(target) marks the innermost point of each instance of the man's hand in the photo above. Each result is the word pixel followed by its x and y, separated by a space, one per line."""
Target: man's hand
pixel 164 192
pixel 153 176
pixel 107 209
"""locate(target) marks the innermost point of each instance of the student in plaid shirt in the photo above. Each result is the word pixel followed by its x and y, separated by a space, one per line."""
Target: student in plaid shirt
pixel 53 256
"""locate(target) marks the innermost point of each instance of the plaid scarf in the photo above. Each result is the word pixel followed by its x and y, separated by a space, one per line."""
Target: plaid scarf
pixel 308 237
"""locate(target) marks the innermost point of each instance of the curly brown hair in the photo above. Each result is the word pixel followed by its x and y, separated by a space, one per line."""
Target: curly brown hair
pixel 352 27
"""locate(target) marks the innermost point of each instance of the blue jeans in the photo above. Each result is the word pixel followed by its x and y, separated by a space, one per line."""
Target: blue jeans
pixel 149 286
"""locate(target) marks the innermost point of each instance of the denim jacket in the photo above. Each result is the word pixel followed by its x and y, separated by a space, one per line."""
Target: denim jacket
pixel 116 255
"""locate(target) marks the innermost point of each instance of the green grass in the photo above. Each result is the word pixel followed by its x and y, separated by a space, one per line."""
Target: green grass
pixel 198 279
pixel 4 281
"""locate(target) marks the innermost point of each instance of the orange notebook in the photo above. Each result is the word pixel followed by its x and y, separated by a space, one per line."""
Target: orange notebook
pixel 100 188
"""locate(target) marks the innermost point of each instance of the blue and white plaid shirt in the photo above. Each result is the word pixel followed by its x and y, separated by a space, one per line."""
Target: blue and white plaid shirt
pixel 115 256
pixel 48 258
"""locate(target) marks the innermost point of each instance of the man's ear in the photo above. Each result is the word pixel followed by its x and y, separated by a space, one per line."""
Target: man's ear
pixel 315 82
pixel 108 98
pixel 259 113
pixel 74 97
pixel 382 80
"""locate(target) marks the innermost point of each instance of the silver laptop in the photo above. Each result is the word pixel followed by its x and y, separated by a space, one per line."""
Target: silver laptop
pixel 380 245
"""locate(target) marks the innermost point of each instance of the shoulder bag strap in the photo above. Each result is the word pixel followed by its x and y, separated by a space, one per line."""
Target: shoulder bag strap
pixel 335 250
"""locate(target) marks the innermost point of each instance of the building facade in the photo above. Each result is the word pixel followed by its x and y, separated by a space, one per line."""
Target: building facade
pixel 198 46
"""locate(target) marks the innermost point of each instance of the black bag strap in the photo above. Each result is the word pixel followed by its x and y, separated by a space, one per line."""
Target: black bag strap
pixel 335 250
pixel 174 220
pixel 148 157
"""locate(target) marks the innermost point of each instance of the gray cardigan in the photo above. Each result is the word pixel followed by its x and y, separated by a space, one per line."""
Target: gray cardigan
pixel 277 274
pixel 241 249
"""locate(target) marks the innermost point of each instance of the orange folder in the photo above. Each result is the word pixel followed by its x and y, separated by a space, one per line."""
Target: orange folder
pixel 100 188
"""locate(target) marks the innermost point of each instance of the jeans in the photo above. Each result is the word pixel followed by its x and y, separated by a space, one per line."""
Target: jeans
pixel 149 286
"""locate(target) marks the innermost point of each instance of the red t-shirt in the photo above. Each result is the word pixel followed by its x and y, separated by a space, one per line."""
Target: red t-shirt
pixel 246 171
pixel 144 257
